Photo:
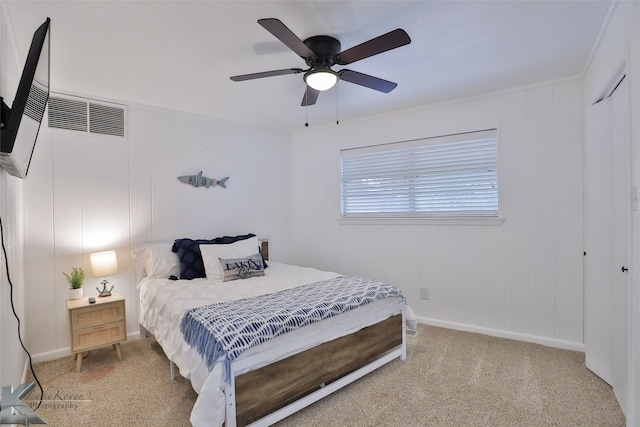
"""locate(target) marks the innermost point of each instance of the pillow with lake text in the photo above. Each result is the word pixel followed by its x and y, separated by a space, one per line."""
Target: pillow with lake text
pixel 242 268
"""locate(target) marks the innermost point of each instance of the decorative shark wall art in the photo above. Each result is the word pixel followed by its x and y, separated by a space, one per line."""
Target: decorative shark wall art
pixel 203 181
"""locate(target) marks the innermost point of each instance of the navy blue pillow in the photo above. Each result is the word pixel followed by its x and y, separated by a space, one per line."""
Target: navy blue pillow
pixel 191 264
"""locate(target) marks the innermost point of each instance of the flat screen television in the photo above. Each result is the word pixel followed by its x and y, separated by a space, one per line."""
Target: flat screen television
pixel 21 122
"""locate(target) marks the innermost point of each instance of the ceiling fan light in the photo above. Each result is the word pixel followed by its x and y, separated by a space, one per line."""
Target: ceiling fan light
pixel 321 80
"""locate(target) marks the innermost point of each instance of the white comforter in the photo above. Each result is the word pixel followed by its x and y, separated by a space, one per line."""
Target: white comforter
pixel 163 303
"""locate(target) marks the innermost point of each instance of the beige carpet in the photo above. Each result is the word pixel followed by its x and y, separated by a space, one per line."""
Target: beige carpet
pixel 450 378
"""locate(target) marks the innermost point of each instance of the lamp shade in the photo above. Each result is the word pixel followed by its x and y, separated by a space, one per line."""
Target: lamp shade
pixel 321 80
pixel 104 263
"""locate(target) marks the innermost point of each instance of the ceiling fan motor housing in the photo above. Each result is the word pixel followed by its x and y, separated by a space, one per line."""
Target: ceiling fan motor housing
pixel 325 48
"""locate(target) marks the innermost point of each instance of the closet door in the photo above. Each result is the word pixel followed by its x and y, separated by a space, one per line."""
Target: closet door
pixel 607 238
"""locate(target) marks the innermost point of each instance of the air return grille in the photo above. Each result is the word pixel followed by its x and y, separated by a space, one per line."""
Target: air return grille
pixel 106 120
pixel 83 115
pixel 67 114
pixel 36 102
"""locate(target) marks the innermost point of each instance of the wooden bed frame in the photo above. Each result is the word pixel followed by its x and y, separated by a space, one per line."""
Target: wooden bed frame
pixel 268 394
pixel 261 396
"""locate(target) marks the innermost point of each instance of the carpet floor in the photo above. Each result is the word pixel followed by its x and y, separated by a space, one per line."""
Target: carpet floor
pixel 450 378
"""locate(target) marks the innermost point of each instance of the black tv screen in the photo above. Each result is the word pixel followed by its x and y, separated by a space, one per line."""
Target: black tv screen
pixel 21 122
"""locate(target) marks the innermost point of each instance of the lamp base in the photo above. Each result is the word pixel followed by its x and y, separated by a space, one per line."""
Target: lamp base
pixel 104 292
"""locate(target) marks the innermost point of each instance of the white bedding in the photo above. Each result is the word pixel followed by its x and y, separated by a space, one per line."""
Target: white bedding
pixel 163 303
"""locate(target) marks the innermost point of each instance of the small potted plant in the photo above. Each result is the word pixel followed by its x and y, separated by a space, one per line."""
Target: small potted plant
pixel 75 280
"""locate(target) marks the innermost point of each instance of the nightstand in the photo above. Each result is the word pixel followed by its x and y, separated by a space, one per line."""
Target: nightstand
pixel 96 325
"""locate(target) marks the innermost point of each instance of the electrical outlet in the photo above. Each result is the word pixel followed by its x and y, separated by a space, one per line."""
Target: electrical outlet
pixel 424 293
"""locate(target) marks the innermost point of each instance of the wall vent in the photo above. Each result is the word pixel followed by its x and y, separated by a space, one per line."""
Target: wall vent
pixel 87 115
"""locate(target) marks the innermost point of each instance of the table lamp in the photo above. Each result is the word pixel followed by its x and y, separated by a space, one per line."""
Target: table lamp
pixel 104 264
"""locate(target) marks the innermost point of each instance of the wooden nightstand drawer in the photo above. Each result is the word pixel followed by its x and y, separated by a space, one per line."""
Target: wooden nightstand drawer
pixel 99 335
pixel 97 315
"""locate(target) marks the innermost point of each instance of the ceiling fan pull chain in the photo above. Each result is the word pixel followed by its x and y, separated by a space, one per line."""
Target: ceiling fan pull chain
pixel 337 111
pixel 306 108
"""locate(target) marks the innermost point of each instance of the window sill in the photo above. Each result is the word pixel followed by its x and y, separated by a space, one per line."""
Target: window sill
pixel 421 221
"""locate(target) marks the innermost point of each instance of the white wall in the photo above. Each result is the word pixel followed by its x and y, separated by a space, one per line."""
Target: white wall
pixel 12 356
pixel 89 193
pixel 520 279
pixel 620 41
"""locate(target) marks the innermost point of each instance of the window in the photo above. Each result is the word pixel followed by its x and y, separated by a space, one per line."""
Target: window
pixel 448 176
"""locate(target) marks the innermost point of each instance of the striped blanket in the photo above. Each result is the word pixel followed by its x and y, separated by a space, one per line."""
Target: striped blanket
pixel 230 328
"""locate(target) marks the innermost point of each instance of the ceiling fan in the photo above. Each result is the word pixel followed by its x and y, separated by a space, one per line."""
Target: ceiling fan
pixel 322 52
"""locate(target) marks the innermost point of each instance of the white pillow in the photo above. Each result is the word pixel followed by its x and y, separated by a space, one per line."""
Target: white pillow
pixel 211 253
pixel 158 260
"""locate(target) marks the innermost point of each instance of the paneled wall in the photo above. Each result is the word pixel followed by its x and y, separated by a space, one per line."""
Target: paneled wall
pixel 521 279
pixel 89 193
pixel 12 356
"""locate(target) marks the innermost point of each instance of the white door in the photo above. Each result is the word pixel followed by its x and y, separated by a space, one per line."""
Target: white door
pixel 607 239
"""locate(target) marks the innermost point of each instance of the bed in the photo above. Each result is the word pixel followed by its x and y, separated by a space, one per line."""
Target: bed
pixel 277 373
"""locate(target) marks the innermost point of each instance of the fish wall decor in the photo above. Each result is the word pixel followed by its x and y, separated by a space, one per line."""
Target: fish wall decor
pixel 203 181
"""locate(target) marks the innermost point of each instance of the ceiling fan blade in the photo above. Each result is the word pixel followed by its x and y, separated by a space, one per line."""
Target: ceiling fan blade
pixel 310 96
pixel 383 43
pixel 286 36
pixel 252 76
pixel 367 81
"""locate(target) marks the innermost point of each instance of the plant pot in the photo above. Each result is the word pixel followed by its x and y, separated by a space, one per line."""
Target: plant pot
pixel 75 293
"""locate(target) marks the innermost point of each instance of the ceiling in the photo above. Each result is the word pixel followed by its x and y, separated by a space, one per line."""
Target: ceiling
pixel 180 54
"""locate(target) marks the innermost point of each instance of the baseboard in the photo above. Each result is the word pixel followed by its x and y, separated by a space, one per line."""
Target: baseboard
pixel 50 355
pixel 62 352
pixel 549 342
pixel 25 371
pixel 133 335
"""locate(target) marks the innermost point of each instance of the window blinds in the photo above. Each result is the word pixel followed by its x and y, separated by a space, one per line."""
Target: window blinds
pixel 455 175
